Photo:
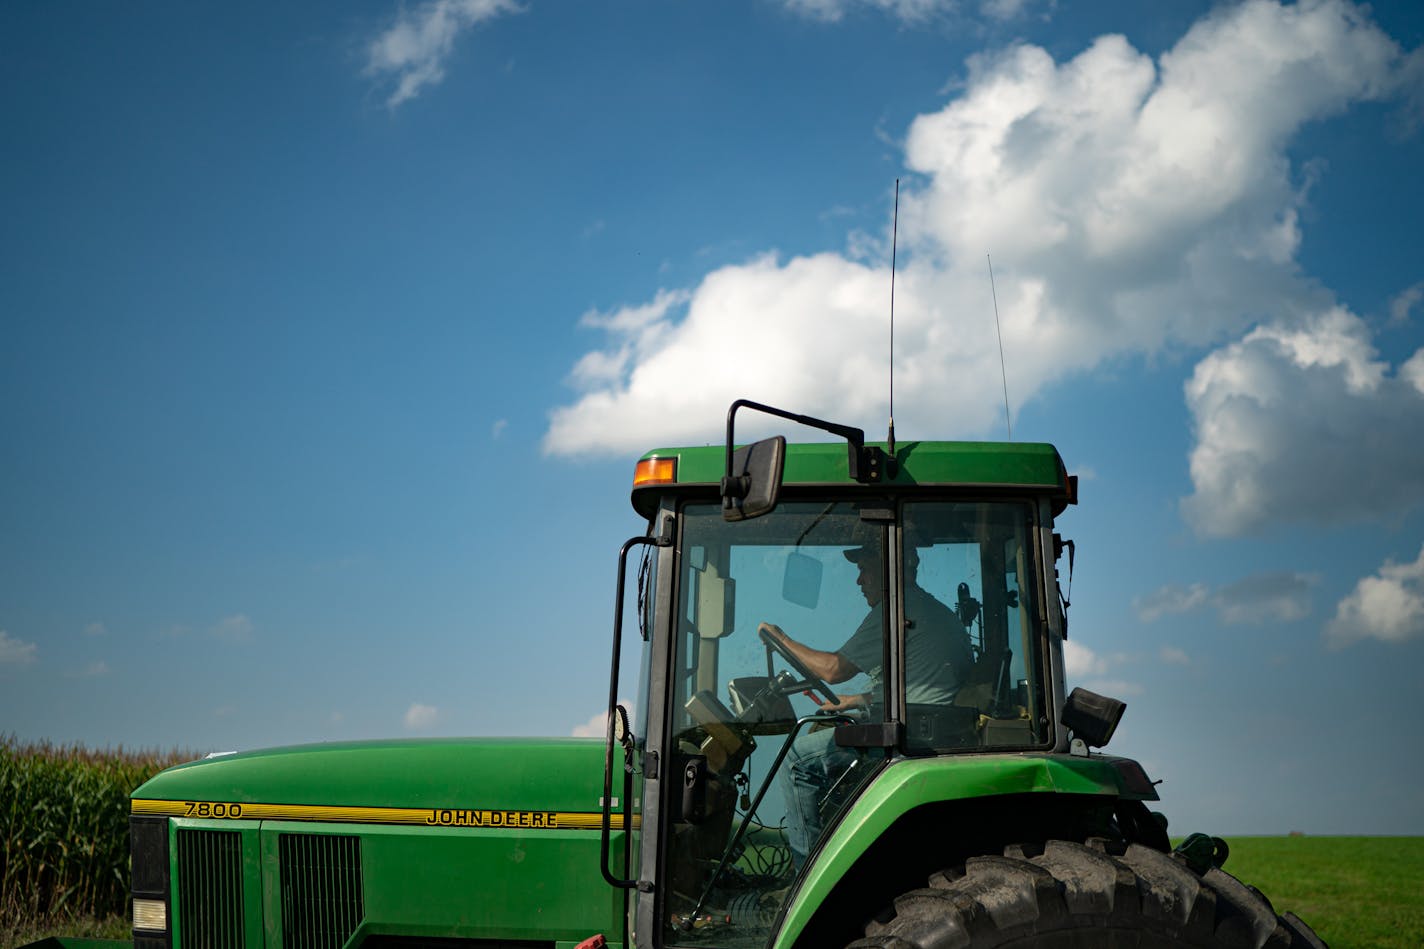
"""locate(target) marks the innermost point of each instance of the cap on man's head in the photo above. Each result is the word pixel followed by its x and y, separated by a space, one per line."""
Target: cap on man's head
pixel 859 555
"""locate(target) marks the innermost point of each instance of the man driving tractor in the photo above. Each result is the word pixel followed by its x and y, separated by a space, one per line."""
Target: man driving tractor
pixel 937 661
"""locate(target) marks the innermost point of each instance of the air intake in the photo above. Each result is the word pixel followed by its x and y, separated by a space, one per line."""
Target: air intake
pixel 210 889
pixel 321 890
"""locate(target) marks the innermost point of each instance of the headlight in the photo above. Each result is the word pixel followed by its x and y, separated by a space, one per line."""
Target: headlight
pixel 151 915
pixel 148 842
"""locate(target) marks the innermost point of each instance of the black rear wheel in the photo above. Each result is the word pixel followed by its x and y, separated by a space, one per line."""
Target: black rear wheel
pixel 1062 894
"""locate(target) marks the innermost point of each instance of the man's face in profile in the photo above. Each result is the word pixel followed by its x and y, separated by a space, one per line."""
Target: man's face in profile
pixel 871 580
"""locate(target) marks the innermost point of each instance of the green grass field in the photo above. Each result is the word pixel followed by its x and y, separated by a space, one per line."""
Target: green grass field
pixel 1357 892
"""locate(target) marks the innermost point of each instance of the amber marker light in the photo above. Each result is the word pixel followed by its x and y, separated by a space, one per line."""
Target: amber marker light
pixel 655 471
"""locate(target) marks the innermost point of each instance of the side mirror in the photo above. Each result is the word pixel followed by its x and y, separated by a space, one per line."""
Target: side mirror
pixel 801 583
pixel 751 488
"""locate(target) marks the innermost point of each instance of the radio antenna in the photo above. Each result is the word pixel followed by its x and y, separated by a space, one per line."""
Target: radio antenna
pixel 1003 373
pixel 894 236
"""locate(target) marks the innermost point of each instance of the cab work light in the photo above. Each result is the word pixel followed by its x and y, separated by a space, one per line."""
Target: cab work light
pixel 655 471
pixel 1092 717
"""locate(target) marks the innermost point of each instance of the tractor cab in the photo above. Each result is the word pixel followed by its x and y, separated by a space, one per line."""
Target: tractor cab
pixel 916 588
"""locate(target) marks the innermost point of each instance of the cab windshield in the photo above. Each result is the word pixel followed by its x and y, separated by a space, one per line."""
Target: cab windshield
pixel 801 621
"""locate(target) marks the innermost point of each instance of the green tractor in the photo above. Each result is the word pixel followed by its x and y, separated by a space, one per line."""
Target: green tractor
pixel 851 729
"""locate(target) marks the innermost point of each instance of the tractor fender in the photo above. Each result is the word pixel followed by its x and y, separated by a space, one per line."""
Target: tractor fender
pixel 1011 796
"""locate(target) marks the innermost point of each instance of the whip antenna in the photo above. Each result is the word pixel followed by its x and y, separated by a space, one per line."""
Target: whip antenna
pixel 1003 373
pixel 894 235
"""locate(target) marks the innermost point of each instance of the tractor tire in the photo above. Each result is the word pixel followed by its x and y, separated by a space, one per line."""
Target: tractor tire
pixel 1063 895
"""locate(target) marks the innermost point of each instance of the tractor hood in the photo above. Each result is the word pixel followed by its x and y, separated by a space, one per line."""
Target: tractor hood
pixel 415 781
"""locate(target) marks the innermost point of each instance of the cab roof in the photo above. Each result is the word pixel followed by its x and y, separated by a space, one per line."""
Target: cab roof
pixel 1032 467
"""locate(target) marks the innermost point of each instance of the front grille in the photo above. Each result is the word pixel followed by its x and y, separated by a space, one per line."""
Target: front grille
pixel 210 889
pixel 321 890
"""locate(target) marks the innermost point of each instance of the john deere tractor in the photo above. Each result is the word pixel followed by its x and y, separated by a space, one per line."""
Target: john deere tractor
pixel 851 728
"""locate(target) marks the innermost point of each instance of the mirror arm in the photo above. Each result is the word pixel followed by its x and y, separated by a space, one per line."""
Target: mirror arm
pixel 865 466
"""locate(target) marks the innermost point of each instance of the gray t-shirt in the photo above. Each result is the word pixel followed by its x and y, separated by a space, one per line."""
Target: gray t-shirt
pixel 936 645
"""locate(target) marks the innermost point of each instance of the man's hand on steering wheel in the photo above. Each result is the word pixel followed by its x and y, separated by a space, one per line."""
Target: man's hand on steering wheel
pixel 778 642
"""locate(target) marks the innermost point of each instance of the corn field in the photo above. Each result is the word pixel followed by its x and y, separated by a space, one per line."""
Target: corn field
pixel 64 822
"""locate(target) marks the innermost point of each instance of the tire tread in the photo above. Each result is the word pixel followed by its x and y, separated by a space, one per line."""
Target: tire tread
pixel 1099 893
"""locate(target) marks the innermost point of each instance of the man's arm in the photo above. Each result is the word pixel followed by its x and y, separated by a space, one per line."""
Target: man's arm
pixel 829 666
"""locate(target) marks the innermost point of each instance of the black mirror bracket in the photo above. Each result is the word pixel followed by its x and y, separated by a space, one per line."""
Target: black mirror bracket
pixel 735 486
pixel 875 465
pixel 865 465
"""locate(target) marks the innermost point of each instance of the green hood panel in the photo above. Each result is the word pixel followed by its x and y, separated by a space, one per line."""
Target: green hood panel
pixel 495 841
pixel 512 774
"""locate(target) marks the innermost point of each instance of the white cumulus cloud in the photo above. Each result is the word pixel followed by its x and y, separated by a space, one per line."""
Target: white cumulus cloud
pixel 16 651
pixel 1170 600
pixel 637 391
pixel 832 11
pixel 912 11
pixel 1405 303
pixel 1092 670
pixel 1013 9
pixel 1256 599
pixel 1266 598
pixel 597 724
pixel 413 50
pixel 1129 205
pixel 234 629
pixel 1388 606
pixel 420 716
pixel 1079 660
pixel 1117 688
pixel 1304 423
pixel 1174 656
pixel 1102 672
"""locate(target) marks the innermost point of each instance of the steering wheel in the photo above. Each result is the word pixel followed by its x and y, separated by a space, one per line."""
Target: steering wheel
pixel 797 666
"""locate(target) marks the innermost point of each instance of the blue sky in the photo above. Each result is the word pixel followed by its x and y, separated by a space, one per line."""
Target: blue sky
pixel 331 333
